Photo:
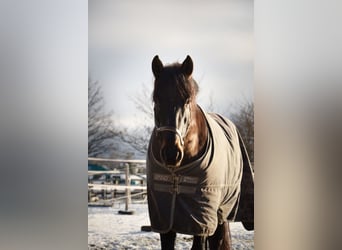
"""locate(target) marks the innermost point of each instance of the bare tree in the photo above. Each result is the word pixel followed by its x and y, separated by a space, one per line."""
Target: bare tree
pixel 101 130
pixel 139 137
pixel 243 117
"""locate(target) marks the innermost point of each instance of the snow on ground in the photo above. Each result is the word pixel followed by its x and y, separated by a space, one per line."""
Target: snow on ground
pixel 109 230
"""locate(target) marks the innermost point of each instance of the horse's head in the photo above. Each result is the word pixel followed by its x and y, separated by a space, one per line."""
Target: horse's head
pixel 173 96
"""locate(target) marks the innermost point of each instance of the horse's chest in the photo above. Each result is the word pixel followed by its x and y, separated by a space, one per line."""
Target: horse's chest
pixel 194 198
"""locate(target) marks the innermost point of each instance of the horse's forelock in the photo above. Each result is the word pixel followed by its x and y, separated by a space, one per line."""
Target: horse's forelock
pixel 186 86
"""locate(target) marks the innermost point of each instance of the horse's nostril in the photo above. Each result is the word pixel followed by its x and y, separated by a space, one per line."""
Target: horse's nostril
pixel 163 154
pixel 171 155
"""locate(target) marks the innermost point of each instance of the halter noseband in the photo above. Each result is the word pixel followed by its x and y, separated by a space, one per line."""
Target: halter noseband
pixel 174 130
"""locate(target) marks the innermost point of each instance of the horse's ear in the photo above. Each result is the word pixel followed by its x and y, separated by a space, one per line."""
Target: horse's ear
pixel 187 66
pixel 157 66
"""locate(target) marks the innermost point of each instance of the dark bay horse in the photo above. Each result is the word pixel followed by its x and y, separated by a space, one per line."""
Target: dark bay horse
pixel 196 165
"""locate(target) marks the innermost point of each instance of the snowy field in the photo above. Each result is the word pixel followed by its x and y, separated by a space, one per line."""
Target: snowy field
pixel 109 230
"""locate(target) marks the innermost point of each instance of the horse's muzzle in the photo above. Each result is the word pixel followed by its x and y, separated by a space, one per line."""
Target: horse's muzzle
pixel 172 155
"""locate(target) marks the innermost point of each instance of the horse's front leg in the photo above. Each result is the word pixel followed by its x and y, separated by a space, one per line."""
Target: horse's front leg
pixel 168 240
pixel 199 243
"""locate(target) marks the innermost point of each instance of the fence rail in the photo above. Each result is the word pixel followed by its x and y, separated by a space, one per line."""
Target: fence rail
pixel 114 187
pixel 104 188
pixel 116 160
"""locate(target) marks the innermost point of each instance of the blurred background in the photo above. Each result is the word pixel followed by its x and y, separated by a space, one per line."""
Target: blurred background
pixel 43 133
pixel 124 36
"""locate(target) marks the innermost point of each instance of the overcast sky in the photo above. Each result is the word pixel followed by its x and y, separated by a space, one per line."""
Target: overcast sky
pixel 124 36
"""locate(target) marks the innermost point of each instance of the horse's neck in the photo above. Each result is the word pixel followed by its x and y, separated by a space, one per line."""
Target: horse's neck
pixel 196 139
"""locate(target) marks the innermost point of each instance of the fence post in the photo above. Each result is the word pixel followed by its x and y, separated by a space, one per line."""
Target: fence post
pixel 104 194
pixel 128 192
